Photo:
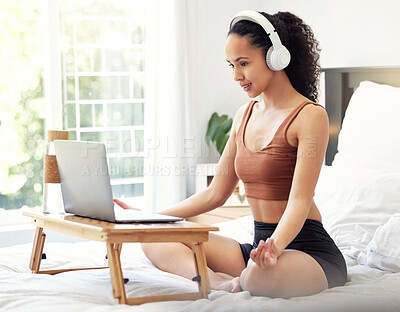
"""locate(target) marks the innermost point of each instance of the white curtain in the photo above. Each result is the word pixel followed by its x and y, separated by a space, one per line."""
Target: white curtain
pixel 169 141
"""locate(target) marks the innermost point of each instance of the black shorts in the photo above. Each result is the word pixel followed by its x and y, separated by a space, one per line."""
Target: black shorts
pixel 312 240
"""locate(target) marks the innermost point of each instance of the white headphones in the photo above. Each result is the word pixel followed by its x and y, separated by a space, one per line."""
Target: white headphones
pixel 278 56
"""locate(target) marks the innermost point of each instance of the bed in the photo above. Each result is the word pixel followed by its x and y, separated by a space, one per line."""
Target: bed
pixel 358 194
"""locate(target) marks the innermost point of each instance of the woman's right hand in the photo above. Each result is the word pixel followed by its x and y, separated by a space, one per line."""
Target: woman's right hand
pixel 124 205
pixel 266 254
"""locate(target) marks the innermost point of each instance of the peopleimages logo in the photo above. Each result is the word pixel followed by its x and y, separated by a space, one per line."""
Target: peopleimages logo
pixel 161 147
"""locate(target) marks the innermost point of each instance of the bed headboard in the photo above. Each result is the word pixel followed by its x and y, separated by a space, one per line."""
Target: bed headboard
pixel 340 84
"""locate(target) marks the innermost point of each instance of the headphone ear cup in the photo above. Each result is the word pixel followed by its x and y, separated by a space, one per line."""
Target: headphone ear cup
pixel 268 58
pixel 277 59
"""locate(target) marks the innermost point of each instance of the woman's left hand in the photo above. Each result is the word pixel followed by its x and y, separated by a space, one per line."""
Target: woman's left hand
pixel 266 254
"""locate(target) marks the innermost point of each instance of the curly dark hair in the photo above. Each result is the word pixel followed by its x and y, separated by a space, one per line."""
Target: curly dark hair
pixel 304 69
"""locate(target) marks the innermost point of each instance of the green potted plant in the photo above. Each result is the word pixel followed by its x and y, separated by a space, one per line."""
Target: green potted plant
pixel 218 131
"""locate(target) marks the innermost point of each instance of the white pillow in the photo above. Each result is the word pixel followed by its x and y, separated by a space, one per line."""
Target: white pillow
pixel 370 134
pixel 354 202
pixel 383 252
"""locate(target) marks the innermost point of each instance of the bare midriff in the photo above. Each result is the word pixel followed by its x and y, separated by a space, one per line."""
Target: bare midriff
pixel 271 211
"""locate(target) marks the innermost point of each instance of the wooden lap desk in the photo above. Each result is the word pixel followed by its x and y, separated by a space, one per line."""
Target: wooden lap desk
pixel 114 235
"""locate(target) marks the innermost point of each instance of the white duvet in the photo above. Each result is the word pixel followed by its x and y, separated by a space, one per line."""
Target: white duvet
pixel 368 289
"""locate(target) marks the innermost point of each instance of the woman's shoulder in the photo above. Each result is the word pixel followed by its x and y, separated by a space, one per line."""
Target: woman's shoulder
pixel 312 117
pixel 313 110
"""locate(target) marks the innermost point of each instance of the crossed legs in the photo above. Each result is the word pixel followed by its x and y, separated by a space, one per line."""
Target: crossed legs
pixel 223 256
pixel 294 274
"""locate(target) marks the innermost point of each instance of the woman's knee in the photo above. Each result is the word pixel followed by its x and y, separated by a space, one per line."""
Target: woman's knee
pixel 156 251
pixel 151 249
pixel 146 247
pixel 258 281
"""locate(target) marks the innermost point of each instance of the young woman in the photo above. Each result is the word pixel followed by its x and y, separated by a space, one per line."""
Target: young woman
pixel 276 147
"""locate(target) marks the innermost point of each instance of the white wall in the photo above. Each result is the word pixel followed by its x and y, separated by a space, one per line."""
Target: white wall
pixel 351 33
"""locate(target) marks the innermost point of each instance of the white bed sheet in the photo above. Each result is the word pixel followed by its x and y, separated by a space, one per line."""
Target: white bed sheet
pixel 368 289
pixel 358 208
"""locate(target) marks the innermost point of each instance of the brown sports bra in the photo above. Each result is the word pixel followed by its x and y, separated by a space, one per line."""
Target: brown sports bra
pixel 267 173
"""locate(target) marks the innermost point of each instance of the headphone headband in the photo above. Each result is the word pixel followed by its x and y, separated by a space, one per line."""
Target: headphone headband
pixel 278 56
pixel 258 18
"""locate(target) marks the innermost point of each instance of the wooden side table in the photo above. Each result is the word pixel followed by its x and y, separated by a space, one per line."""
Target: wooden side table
pixel 114 235
pixel 221 214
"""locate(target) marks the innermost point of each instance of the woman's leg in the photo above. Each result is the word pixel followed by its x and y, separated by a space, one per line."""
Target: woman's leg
pixel 223 255
pixel 295 274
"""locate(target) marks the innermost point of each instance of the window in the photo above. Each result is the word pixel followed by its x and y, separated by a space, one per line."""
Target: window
pixel 22 107
pixel 103 83
pixel 102 50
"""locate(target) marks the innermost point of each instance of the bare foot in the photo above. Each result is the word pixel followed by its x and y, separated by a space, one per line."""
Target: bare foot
pixel 222 281
pixel 236 285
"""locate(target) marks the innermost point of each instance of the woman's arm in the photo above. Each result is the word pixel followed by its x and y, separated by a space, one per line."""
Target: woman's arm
pixel 312 135
pixel 221 186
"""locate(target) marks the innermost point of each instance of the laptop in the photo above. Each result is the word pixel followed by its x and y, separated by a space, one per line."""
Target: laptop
pixel 86 188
